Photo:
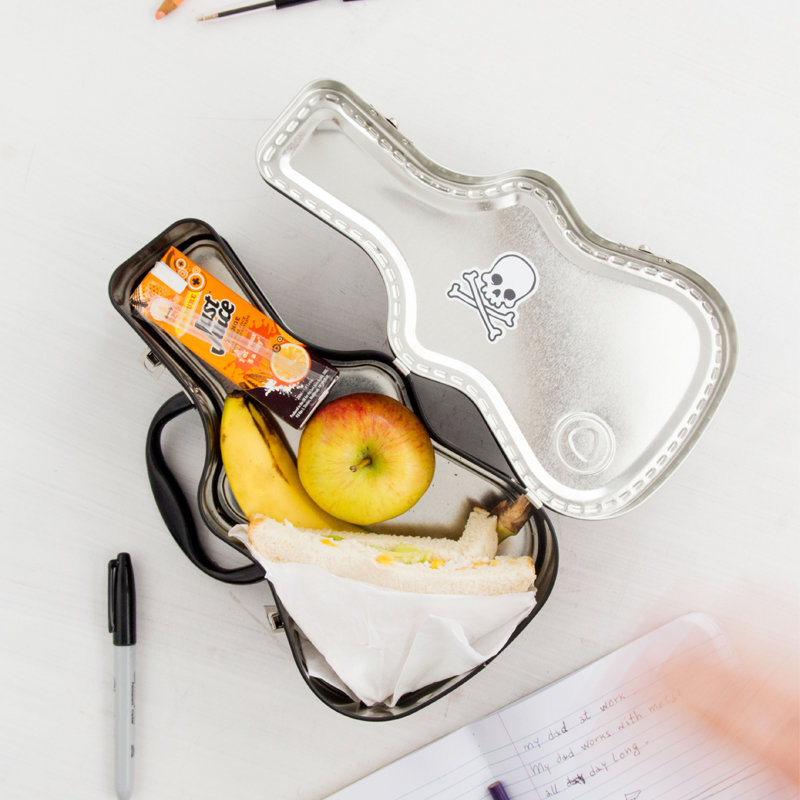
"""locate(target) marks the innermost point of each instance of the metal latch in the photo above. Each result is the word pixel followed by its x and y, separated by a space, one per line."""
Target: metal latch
pixel 274 618
pixel 152 363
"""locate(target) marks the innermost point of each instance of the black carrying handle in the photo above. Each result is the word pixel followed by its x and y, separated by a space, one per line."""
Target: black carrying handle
pixel 174 507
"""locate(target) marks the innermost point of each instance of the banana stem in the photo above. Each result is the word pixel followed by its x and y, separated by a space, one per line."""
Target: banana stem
pixel 363 463
pixel 512 516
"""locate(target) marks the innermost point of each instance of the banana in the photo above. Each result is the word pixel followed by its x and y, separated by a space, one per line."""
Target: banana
pixel 261 469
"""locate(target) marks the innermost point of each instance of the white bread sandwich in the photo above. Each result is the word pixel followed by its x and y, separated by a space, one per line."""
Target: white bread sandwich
pixel 478 540
pixel 410 564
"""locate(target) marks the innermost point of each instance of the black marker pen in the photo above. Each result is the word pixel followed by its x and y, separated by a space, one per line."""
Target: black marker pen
pixel 122 623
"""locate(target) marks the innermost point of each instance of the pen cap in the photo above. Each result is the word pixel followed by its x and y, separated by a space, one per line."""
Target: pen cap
pixel 121 600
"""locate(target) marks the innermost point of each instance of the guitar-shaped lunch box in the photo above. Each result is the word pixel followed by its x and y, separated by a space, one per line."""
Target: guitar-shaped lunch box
pixel 590 368
pixel 596 366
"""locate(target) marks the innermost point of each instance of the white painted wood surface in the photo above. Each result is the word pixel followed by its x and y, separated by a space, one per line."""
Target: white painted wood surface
pixel 673 125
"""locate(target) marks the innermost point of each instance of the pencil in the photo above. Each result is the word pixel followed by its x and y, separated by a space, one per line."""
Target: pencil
pixel 166 7
pixel 497 791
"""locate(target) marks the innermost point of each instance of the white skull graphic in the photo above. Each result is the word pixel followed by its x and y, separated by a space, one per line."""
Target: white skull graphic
pixel 511 278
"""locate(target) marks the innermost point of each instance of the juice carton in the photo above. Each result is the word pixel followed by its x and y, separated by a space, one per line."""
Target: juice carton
pixel 233 337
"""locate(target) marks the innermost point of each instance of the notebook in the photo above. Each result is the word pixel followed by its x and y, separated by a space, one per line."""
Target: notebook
pixel 610 731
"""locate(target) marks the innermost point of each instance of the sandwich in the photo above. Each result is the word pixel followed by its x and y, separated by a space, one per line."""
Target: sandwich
pixel 426 565
pixel 478 540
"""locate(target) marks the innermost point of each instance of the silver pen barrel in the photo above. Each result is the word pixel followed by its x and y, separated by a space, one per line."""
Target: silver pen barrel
pixel 124 718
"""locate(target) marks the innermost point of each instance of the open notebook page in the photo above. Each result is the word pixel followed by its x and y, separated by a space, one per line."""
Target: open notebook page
pixel 610 731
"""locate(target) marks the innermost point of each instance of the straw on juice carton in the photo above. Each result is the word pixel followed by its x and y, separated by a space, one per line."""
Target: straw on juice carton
pixel 235 338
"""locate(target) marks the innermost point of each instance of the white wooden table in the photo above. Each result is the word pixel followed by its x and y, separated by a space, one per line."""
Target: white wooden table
pixel 673 125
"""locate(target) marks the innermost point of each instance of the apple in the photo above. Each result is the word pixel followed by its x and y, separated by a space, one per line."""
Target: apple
pixel 365 458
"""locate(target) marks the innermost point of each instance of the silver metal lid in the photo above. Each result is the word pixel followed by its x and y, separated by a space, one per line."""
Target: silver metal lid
pixel 595 365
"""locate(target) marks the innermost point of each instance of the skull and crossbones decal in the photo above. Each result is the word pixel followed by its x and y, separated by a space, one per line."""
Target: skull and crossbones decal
pixel 496 293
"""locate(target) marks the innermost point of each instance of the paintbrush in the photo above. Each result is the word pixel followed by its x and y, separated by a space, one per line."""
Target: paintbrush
pixel 268 4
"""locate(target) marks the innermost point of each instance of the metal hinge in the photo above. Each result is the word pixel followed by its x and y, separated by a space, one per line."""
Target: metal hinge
pixel 645 249
pixel 274 618
pixel 152 363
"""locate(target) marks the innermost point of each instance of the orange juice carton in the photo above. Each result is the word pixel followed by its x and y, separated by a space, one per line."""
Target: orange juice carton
pixel 234 338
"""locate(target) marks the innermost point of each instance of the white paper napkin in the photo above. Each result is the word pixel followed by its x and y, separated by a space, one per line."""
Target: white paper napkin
pixel 382 643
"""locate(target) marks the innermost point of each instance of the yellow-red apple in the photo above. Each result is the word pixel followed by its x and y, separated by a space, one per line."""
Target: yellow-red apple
pixel 365 458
